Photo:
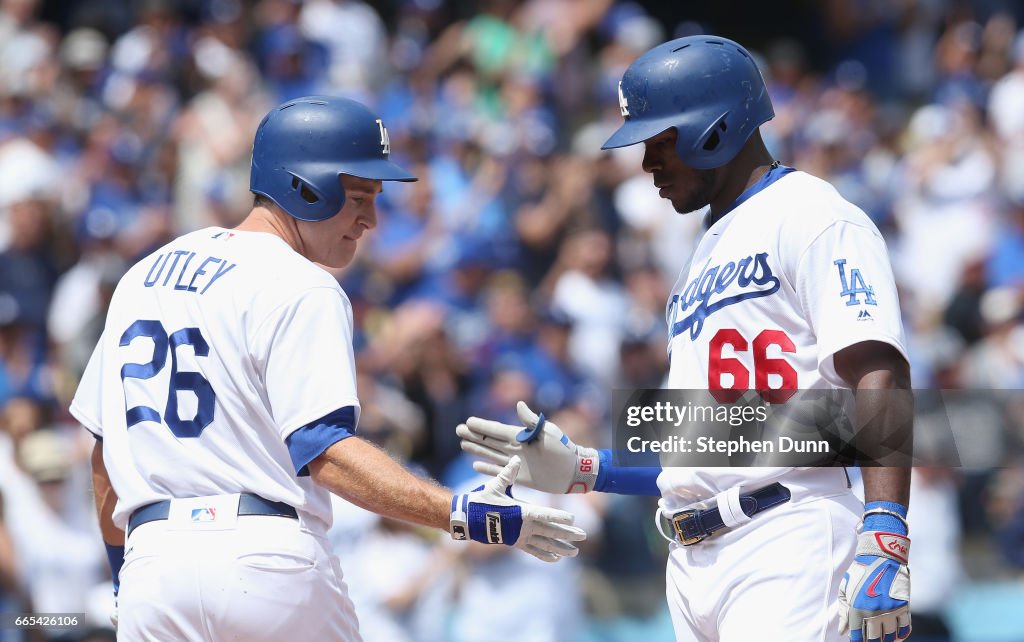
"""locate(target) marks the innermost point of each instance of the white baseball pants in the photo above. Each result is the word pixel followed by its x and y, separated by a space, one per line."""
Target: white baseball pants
pixel 266 578
pixel 774 578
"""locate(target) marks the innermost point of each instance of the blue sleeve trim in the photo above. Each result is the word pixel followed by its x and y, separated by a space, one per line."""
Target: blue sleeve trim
pixel 625 480
pixel 310 441
pixel 886 523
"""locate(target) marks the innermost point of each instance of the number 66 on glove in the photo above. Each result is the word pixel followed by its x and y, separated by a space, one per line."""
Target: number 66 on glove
pixel 552 463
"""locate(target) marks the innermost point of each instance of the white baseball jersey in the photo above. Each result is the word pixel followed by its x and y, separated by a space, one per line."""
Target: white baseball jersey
pixel 216 348
pixel 789 277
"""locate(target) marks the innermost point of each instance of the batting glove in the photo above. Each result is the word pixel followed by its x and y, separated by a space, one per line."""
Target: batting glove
pixel 874 596
pixel 551 461
pixel 491 515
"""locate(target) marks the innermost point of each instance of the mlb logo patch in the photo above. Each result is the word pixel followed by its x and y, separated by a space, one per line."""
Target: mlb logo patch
pixel 208 514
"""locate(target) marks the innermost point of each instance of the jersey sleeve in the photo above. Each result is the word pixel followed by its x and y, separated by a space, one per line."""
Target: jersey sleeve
pixel 847 290
pixel 87 404
pixel 304 351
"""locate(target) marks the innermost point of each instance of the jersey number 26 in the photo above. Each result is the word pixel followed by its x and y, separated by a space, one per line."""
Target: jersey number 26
pixel 193 381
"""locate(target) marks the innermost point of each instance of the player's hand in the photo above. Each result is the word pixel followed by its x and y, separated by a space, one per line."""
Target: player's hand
pixel 551 461
pixel 491 515
pixel 874 596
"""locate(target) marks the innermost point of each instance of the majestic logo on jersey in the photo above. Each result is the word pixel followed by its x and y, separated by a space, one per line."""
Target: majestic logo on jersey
pixel 855 286
pixel 752 275
pixel 385 142
pixel 623 105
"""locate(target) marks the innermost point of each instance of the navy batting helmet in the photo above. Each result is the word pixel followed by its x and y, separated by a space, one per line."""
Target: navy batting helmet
pixel 707 87
pixel 304 145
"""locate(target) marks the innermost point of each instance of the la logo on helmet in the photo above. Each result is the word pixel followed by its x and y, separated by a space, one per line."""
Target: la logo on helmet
pixel 623 105
pixel 385 142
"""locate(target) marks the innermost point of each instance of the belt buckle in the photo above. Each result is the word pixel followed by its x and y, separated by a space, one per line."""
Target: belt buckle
pixel 677 519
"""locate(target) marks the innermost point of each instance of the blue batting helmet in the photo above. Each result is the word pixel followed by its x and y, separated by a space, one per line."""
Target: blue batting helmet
pixel 304 145
pixel 706 87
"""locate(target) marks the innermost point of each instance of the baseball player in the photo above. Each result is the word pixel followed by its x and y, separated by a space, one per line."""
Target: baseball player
pixel 222 397
pixel 788 288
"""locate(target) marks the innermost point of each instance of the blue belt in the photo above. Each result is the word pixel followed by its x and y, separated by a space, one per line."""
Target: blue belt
pixel 693 526
pixel 248 504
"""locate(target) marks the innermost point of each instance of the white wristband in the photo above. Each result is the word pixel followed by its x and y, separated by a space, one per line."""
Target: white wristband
pixel 458 523
pixel 587 464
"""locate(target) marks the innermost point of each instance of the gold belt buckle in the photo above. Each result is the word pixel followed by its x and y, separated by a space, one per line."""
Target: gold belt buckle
pixel 686 541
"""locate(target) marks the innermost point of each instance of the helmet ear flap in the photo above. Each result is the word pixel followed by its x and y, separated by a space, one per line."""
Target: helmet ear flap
pixel 309 201
pixel 714 139
pixel 305 192
pixel 708 144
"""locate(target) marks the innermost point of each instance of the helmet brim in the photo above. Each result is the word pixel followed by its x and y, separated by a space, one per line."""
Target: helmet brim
pixel 377 170
pixel 637 131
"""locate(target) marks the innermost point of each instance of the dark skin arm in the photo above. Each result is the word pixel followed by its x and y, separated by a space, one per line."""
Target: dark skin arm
pixel 880 377
pixel 105 498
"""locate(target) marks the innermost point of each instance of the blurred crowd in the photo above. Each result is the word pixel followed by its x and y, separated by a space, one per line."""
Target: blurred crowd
pixel 525 263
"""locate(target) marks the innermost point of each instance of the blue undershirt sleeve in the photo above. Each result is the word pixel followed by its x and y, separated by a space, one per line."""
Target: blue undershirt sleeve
pixel 626 480
pixel 310 441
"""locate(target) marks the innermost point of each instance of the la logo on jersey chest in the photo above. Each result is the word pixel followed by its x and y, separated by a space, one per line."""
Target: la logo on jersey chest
pixel 718 286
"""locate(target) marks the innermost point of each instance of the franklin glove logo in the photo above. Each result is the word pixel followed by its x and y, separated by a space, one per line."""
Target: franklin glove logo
pixel 494 528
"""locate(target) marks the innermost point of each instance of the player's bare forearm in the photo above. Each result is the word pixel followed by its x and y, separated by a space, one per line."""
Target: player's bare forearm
pixel 883 484
pixel 880 377
pixel 105 498
pixel 368 477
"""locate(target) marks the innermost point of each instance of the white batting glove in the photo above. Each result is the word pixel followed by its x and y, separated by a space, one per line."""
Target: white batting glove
pixel 491 515
pixel 874 596
pixel 551 461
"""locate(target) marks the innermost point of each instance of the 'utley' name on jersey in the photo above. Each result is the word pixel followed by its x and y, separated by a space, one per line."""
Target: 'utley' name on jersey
pixel 199 278
pixel 704 294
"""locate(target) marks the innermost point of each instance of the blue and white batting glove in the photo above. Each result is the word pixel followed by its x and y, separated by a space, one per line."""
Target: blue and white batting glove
pixel 551 461
pixel 874 596
pixel 491 515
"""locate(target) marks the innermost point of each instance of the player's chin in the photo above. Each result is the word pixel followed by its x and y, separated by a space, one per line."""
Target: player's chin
pixel 686 205
pixel 685 199
pixel 341 256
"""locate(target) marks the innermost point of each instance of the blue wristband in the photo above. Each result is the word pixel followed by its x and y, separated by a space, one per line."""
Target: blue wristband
pixel 883 522
pixel 115 556
pixel 625 480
